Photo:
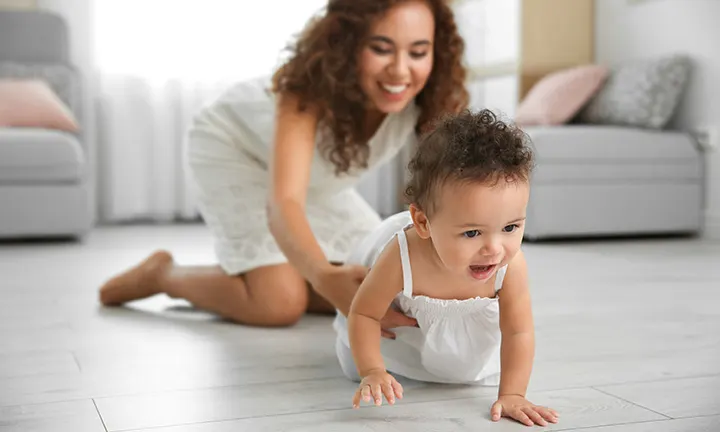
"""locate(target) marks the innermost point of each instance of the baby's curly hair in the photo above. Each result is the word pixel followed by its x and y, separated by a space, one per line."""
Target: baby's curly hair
pixel 475 147
pixel 322 71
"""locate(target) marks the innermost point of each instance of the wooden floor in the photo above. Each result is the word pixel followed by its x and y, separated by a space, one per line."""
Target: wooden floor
pixel 628 340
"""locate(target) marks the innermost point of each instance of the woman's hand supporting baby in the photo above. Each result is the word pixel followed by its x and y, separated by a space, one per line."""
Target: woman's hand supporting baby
pixel 394 319
pixel 338 284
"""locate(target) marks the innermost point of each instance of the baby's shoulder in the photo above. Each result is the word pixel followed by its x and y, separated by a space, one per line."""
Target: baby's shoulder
pixel 513 277
pixel 388 256
pixel 386 269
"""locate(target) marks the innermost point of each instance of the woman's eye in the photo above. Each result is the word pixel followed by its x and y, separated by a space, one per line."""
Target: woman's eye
pixel 471 234
pixel 380 50
pixel 418 55
pixel 510 228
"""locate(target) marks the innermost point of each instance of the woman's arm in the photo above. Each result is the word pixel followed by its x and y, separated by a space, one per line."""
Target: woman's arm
pixel 368 308
pixel 294 146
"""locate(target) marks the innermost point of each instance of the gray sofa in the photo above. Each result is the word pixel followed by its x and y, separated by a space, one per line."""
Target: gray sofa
pixel 600 181
pixel 44 174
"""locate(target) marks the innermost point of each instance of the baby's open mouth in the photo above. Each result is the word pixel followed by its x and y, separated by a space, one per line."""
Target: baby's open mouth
pixel 481 268
pixel 482 271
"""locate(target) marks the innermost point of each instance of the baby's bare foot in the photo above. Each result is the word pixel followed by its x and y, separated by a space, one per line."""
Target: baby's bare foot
pixel 138 282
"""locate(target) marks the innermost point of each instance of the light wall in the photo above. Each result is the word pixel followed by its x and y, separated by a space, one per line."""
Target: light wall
pixel 630 29
pixel 17 4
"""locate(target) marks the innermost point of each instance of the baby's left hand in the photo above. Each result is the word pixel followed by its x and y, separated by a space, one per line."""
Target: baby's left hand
pixel 520 409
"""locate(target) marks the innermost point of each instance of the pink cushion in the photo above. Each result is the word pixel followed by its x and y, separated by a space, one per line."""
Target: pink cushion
pixel 32 103
pixel 556 98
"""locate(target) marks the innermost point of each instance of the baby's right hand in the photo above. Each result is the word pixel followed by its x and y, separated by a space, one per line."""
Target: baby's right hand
pixel 375 385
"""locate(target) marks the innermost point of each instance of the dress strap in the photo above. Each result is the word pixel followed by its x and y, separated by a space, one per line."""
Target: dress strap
pixel 500 277
pixel 405 260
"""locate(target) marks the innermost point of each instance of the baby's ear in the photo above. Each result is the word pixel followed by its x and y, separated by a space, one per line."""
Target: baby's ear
pixel 420 221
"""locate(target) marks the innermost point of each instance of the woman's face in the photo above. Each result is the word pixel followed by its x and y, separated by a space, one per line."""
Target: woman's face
pixel 397 57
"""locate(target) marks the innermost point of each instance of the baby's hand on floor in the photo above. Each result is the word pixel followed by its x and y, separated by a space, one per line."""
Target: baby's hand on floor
pixel 374 386
pixel 520 409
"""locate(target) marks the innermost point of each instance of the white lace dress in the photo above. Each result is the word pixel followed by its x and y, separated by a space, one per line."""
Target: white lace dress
pixel 229 153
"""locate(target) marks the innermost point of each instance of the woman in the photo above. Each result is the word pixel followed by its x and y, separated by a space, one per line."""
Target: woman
pixel 276 170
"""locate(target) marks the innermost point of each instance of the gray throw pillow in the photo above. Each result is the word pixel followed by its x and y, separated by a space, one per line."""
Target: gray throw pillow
pixel 641 93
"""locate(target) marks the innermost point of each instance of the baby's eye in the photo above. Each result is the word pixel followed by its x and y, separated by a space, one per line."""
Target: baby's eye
pixel 510 228
pixel 471 233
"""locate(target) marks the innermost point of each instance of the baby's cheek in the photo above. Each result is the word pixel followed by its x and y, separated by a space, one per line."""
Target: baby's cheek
pixel 462 254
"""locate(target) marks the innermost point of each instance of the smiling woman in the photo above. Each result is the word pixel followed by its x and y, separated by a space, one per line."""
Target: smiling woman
pixel 406 50
pixel 362 80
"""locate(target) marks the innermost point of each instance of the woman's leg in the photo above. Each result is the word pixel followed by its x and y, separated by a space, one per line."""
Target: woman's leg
pixel 268 296
pixel 318 305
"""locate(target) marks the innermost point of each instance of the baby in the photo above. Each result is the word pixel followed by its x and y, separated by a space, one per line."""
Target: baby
pixel 453 262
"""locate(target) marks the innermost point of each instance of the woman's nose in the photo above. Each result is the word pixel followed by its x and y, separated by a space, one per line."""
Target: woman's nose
pixel 399 68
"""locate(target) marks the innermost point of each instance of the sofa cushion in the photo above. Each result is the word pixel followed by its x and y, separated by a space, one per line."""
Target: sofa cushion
pixel 39 156
pixel 641 93
pixel 556 98
pixel 32 103
pixel 63 79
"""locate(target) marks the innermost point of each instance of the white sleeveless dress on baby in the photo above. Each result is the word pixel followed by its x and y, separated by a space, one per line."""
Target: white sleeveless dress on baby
pixel 456 341
pixel 229 154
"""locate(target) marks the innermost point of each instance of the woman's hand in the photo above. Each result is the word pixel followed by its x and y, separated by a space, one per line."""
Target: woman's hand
pixel 338 284
pixel 392 319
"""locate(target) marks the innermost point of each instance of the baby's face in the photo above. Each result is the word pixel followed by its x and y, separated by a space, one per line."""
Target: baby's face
pixel 478 228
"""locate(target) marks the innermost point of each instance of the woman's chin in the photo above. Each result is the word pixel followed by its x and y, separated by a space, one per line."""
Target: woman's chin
pixel 389 105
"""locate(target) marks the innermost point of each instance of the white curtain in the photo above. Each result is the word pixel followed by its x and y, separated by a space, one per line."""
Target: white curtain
pixel 157 63
pixel 141 125
pixel 149 65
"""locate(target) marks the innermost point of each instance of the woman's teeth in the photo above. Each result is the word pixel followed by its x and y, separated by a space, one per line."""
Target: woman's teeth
pixel 394 89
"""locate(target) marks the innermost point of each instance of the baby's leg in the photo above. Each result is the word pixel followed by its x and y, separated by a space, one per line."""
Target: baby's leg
pixel 347 363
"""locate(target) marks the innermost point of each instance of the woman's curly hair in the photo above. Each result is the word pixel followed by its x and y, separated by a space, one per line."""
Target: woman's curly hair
pixel 322 71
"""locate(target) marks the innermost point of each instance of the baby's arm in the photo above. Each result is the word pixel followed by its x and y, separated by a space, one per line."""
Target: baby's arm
pixel 517 350
pixel 516 324
pixel 369 306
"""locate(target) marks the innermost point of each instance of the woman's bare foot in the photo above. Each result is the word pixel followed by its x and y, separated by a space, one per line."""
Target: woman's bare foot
pixel 138 282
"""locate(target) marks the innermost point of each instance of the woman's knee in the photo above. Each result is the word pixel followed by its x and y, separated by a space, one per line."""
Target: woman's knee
pixel 279 293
